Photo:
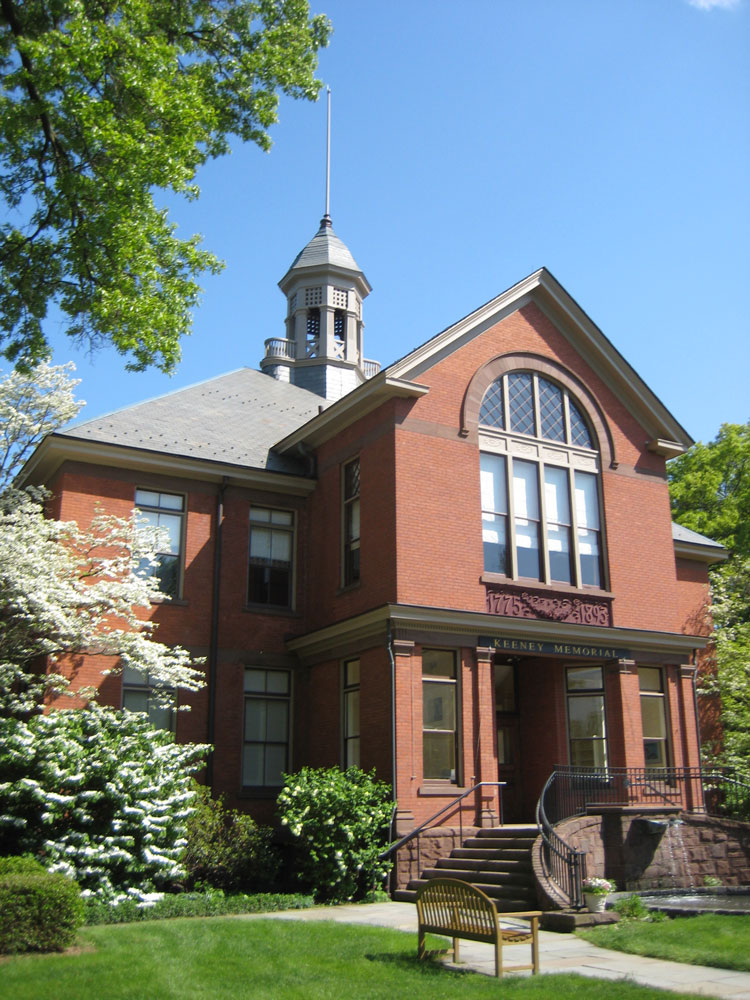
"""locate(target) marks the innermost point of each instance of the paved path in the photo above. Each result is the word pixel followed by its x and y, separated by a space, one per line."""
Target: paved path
pixel 558 953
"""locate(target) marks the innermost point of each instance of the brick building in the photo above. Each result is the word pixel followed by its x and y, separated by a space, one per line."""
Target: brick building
pixel 458 569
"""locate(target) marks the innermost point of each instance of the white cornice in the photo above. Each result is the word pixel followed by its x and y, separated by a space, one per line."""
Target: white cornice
pixel 349 408
pixel 59 448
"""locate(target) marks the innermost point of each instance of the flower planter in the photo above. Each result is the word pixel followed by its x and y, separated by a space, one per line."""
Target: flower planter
pixel 595 901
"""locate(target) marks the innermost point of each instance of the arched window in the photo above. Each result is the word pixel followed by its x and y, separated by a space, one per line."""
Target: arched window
pixel 540 483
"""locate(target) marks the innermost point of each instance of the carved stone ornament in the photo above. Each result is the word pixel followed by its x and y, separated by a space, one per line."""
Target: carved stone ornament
pixel 517 603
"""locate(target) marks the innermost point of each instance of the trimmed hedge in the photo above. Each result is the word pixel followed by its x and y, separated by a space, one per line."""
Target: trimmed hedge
pixel 192 904
pixel 39 910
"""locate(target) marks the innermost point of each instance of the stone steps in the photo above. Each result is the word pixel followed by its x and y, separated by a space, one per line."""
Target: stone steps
pixel 496 860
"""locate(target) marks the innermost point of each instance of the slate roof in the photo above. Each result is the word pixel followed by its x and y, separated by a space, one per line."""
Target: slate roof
pixel 323 249
pixel 234 418
pixel 682 534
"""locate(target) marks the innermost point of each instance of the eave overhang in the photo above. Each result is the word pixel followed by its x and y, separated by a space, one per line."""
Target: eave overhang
pixel 665 434
pixel 700 553
pixel 56 449
pixel 345 411
pixel 400 620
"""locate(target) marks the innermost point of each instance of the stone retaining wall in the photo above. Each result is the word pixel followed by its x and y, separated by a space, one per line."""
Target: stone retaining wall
pixel 638 855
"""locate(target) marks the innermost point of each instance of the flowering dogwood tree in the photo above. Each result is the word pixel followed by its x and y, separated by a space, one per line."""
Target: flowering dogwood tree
pixel 67 590
pixel 33 404
pixel 92 791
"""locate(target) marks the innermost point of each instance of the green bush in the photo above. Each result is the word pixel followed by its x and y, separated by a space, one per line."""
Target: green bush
pixel 21 865
pixel 226 849
pixel 192 904
pixel 339 822
pixel 632 908
pixel 39 910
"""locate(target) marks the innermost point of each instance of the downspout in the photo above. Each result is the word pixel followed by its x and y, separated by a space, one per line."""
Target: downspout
pixel 392 658
pixel 213 648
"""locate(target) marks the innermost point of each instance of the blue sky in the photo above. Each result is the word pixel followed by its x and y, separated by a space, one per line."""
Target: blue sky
pixel 607 140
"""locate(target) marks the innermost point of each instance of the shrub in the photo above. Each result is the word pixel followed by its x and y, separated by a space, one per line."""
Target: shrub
pixel 227 849
pixel 23 865
pixel 339 822
pixel 98 795
pixel 192 904
pixel 632 908
pixel 39 910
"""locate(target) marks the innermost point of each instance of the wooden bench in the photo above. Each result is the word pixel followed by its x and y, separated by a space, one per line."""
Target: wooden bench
pixel 460 910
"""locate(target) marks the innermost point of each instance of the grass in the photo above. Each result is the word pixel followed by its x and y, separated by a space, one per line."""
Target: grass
pixel 225 958
pixel 707 939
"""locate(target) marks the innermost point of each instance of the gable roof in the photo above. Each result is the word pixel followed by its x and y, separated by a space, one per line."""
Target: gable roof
pixel 667 436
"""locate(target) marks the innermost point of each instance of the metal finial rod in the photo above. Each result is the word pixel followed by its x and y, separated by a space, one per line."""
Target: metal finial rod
pixel 328 157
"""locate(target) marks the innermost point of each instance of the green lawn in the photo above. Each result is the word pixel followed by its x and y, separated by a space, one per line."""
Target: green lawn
pixel 233 958
pixel 708 939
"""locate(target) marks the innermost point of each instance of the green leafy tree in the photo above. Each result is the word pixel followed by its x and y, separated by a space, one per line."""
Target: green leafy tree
pixel 104 103
pixel 93 792
pixel 710 492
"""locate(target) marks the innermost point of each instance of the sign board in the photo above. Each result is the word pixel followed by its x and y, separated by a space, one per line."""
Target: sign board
pixel 577 650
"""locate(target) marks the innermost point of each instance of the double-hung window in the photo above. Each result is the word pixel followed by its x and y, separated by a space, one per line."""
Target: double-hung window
pixel 165 513
pixel 271 548
pixel 265 752
pixel 351 523
pixel 653 716
pixel 586 721
pixel 540 498
pixel 351 713
pixel 139 694
pixel 439 714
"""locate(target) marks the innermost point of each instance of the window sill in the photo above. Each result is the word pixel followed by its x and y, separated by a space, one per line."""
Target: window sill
pixel 260 792
pixel 441 788
pixel 270 609
pixel 175 602
pixel 531 584
pixel 349 587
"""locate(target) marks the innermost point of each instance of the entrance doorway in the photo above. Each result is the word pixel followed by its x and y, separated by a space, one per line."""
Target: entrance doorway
pixel 507 725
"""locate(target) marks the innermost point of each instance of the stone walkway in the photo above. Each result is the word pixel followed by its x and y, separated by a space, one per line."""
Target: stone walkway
pixel 558 953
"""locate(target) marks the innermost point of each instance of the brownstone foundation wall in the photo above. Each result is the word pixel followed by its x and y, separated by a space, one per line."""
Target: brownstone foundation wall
pixel 435 843
pixel 639 854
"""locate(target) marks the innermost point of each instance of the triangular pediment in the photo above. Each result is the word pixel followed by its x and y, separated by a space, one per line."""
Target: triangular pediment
pixel 667 435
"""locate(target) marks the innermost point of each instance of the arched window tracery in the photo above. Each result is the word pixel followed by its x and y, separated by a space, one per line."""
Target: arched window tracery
pixel 539 468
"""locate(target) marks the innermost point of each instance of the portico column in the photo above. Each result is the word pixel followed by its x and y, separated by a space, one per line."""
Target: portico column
pixel 690 736
pixel 624 725
pixel 485 762
pixel 406 766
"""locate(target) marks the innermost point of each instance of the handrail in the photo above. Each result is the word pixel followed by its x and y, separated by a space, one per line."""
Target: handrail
pixel 574 791
pixel 565 866
pixel 451 805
